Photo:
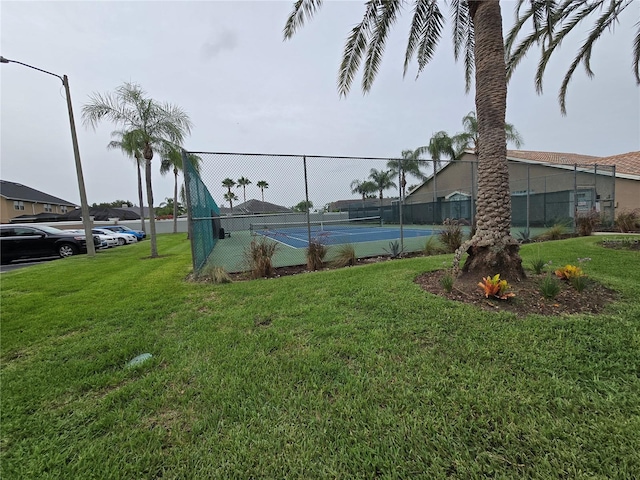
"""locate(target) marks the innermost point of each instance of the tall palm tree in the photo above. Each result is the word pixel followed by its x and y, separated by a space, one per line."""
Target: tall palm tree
pixel 441 144
pixel 230 197
pixel 409 163
pixel 131 144
pixel 478 39
pixel 228 184
pixel 171 160
pixel 382 180
pixel 243 182
pixel 363 187
pixel 262 185
pixel 156 123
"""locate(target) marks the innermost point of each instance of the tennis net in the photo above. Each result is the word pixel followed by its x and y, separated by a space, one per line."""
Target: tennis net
pixel 316 226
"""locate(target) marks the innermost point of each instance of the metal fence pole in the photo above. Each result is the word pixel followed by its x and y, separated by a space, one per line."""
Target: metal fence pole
pixel 435 191
pixel 575 197
pixel 306 197
pixel 613 195
pixel 187 178
pixel 400 175
pixel 528 193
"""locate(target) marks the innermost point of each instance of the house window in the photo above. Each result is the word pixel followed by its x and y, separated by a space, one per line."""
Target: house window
pixel 63 209
pixel 47 207
pixel 18 205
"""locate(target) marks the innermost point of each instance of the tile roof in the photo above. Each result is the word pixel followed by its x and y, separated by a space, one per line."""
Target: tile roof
pixel 17 191
pixel 626 163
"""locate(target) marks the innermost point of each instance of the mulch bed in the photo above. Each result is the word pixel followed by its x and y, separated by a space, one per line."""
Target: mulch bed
pixel 528 299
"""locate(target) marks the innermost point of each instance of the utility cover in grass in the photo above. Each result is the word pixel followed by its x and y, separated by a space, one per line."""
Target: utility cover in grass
pixel 140 359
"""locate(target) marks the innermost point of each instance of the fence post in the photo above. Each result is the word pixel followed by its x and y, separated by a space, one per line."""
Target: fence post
pixel 400 175
pixel 528 193
pixel 613 195
pixel 186 164
pixel 575 197
pixel 473 194
pixel 306 197
pixel 435 191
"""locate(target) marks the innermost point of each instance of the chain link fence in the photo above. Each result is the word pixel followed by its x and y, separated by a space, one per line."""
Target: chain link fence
pixel 234 198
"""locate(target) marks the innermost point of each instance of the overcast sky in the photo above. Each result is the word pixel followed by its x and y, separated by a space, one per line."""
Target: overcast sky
pixel 246 90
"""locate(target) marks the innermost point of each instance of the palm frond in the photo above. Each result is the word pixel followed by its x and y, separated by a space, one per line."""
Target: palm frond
pixel 355 48
pixel 417 30
pixel 385 18
pixel 636 55
pixel 431 35
pixel 303 10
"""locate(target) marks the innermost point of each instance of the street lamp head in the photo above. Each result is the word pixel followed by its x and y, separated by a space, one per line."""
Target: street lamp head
pixel 4 60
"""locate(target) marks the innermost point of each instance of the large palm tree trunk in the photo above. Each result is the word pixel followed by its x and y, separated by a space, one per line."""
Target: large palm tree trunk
pixel 148 155
pixel 140 197
pixel 492 249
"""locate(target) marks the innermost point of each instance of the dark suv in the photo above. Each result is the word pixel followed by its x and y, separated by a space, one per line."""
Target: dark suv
pixel 29 241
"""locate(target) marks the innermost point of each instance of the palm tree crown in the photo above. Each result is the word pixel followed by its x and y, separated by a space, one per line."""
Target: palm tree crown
pixel 363 187
pixel 262 185
pixel 382 180
pixel 243 182
pixel 409 163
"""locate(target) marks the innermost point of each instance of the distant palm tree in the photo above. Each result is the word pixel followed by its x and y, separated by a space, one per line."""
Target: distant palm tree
pixel 363 187
pixel 382 180
pixel 262 185
pixel 409 163
pixel 243 182
pixel 156 125
pixel 172 161
pixel 230 197
pixel 228 184
pixel 131 144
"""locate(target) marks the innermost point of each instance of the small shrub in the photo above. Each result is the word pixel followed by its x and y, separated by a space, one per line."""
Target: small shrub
pixel 432 246
pixel 451 235
pixel 628 221
pixel 446 282
pixel 579 282
pixel 345 256
pixel 258 257
pixel 494 287
pixel 568 272
pixel 549 287
pixel 554 233
pixel 587 222
pixel 538 265
pixel 215 274
pixel 316 251
pixel 524 236
pixel 395 250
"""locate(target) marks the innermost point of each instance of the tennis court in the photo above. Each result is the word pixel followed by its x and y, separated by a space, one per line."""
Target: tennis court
pixel 370 229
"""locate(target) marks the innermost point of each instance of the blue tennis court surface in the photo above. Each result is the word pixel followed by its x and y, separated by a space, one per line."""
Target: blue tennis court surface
pixel 298 237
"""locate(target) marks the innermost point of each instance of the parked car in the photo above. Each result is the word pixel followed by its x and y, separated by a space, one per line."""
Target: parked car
pixel 120 238
pixel 139 234
pixel 106 241
pixel 29 241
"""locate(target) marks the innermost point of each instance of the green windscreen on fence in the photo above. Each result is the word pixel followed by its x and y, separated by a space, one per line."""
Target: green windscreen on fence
pixel 204 214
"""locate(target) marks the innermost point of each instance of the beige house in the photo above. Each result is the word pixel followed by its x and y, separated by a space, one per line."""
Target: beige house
pixel 546 187
pixel 17 200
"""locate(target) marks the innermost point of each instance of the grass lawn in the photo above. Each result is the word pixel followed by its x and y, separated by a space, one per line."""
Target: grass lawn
pixel 352 373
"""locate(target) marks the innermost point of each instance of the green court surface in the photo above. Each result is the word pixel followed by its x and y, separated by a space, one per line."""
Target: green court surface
pixel 229 253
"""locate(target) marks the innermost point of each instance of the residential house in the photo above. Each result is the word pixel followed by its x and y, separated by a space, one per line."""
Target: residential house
pixel 555 187
pixel 17 200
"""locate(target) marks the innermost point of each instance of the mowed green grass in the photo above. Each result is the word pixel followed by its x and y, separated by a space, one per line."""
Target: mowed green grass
pixel 352 373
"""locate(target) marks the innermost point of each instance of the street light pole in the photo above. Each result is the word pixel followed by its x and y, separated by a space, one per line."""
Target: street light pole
pixel 84 205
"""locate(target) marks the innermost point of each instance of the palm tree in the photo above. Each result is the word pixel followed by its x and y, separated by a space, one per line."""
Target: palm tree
pixel 243 182
pixel 156 125
pixel 469 139
pixel 363 187
pixel 230 197
pixel 382 180
pixel 409 163
pixel 262 185
pixel 228 184
pixel 172 161
pixel 478 39
pixel 131 144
